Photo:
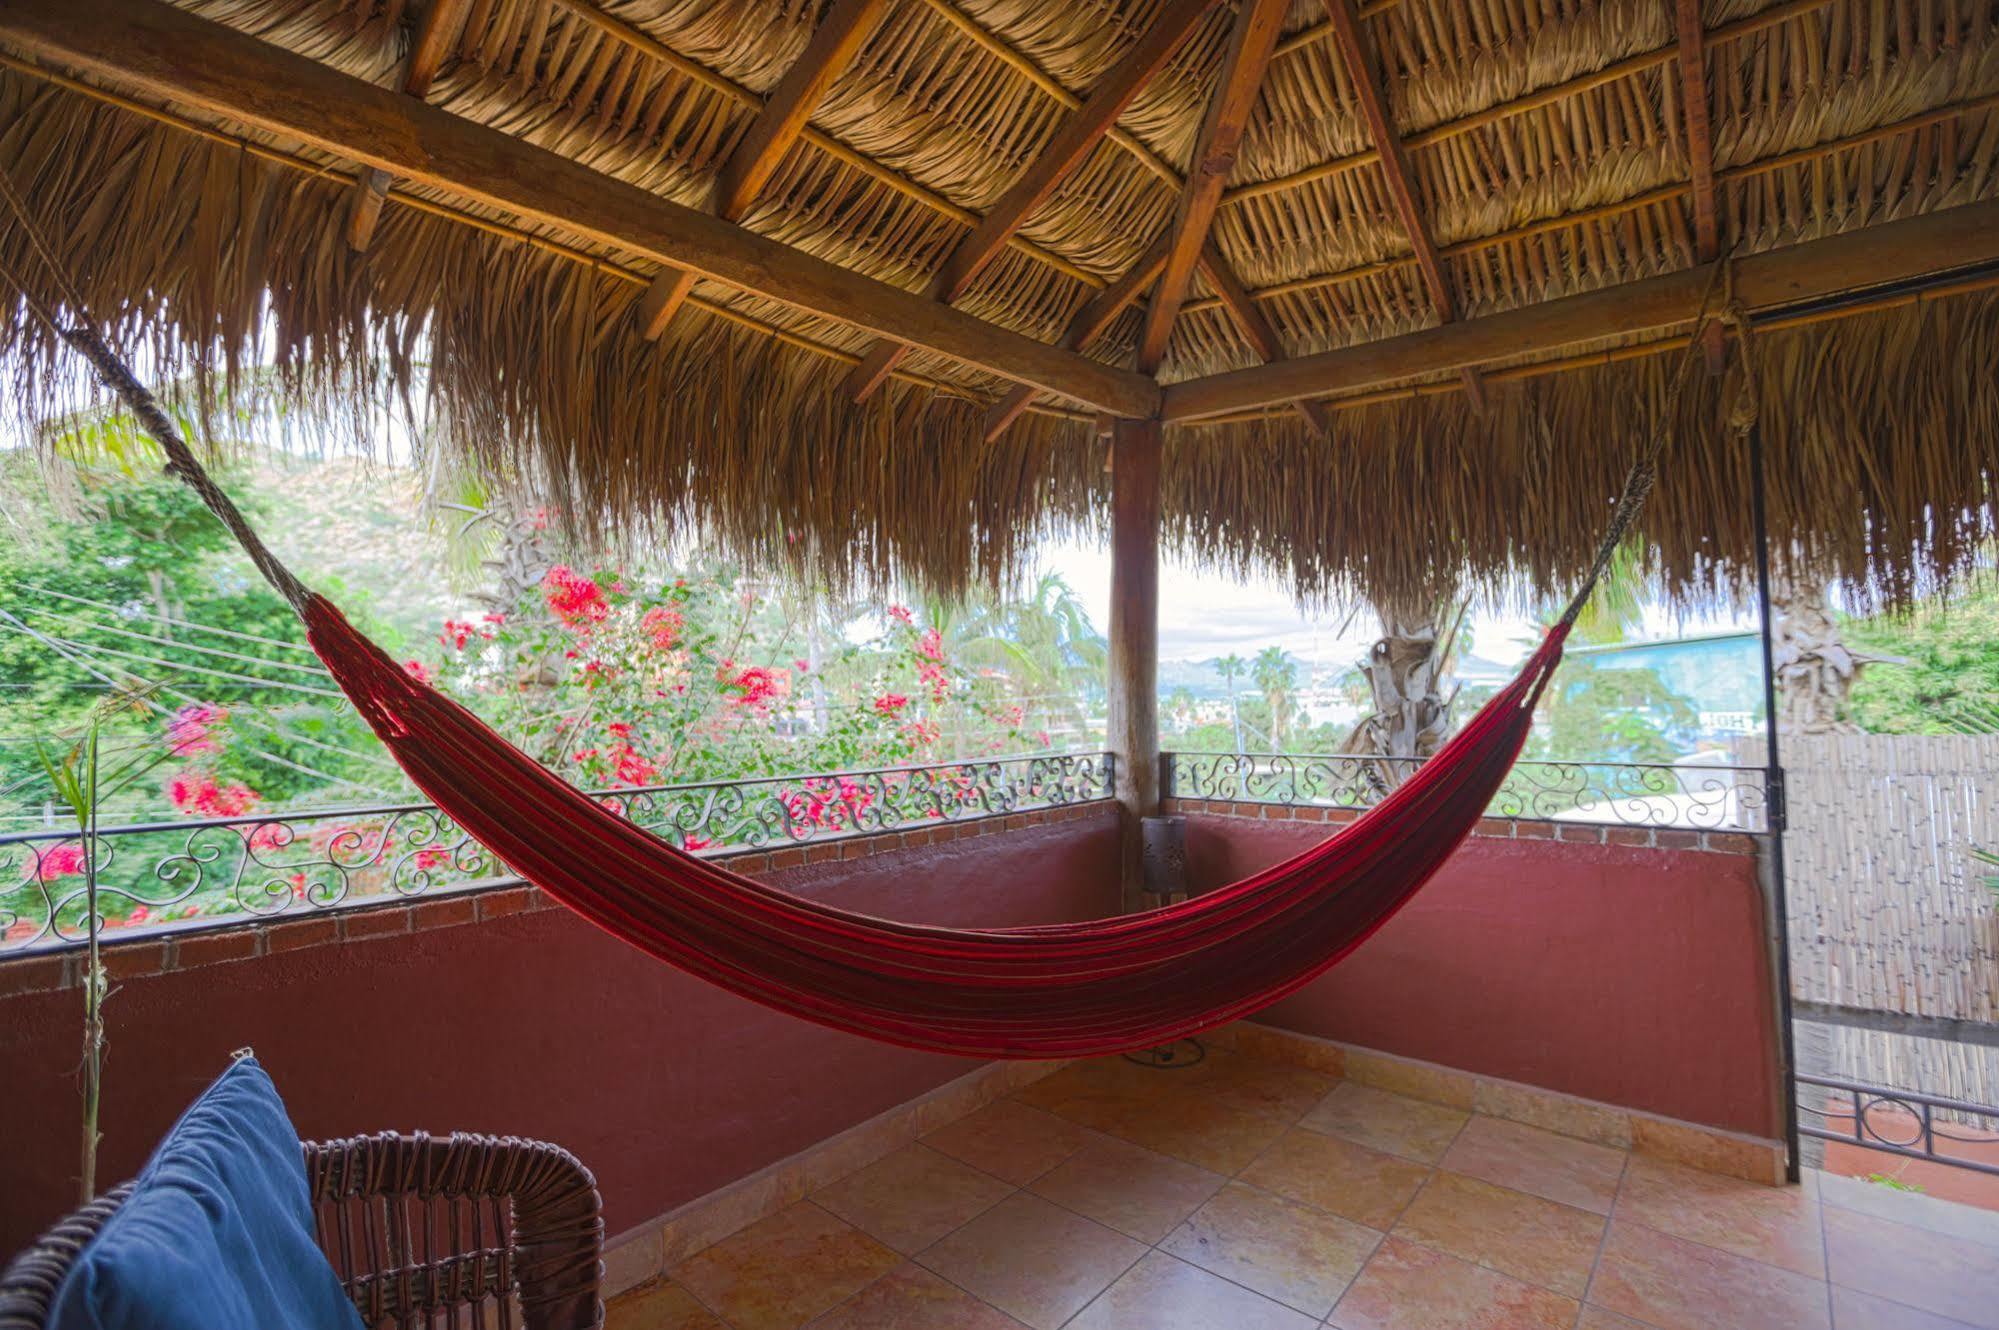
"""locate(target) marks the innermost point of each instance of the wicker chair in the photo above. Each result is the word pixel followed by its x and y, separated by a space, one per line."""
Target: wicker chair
pixel 467 1232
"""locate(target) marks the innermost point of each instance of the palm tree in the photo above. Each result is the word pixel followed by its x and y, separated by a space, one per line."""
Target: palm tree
pixel 1276 675
pixel 1044 644
pixel 1405 671
pixel 1230 667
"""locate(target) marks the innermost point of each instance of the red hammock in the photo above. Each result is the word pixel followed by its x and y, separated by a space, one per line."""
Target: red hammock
pixel 1065 990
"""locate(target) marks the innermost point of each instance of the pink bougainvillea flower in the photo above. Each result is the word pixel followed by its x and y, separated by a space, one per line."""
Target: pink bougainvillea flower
pixel 631 766
pixel 662 626
pixel 59 861
pixel 890 703
pixel 933 675
pixel 495 618
pixel 693 843
pixel 760 685
pixel 901 614
pixel 618 729
pixel 801 666
pixel 417 670
pixel 574 599
pixel 196 792
pixel 930 645
pixel 188 729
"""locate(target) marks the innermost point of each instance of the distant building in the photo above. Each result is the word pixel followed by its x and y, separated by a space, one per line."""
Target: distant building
pixel 1719 674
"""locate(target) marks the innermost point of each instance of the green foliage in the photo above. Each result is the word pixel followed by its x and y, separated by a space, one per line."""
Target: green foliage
pixel 1944 677
pixel 1611 715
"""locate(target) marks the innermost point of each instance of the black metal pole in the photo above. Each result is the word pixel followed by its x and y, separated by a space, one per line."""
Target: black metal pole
pixel 1774 794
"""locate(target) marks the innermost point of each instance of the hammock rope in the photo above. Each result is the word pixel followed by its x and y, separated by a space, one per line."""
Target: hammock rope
pixel 1063 990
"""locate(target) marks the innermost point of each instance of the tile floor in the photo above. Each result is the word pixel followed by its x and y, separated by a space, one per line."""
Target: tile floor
pixel 1241 1194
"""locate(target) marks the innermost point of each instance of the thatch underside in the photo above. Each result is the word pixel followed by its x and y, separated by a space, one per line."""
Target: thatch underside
pixel 1883 428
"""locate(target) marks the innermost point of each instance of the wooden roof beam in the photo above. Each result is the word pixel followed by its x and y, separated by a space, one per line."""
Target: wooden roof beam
pixel 1873 256
pixel 1251 42
pixel 1698 127
pixel 1357 52
pixel 757 155
pixel 1066 151
pixel 157 51
pixel 439 27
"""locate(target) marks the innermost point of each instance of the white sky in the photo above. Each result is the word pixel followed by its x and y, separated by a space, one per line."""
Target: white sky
pixel 1205 614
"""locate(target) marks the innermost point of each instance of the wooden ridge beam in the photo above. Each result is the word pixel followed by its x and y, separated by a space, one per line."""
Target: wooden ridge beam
pixel 757 155
pixel 158 51
pixel 1066 151
pixel 1697 126
pixel 1251 41
pixel 1364 70
pixel 1890 252
pixel 435 32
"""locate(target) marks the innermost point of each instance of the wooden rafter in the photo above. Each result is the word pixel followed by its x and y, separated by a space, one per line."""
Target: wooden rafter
pixel 1672 193
pixel 835 43
pixel 1085 327
pixel 1552 95
pixel 435 32
pixel 1254 324
pixel 626 34
pixel 1699 130
pixel 1251 42
pixel 1067 150
pixel 1364 71
pixel 1890 252
pixel 156 50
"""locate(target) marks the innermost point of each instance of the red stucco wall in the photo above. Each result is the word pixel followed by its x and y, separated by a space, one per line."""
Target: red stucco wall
pixel 536 1025
pixel 1636 976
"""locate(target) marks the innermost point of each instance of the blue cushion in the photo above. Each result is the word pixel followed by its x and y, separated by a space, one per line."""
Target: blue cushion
pixel 217 1232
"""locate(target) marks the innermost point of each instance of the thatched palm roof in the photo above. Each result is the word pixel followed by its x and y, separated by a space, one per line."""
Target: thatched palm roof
pixel 1534 149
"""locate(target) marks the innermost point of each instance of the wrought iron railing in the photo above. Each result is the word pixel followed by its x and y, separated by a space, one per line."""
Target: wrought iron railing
pixel 171 873
pixel 1900 1122
pixel 1691 795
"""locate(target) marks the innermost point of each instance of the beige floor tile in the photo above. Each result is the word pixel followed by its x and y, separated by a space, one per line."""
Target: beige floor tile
pixel 911 1197
pixel 1255 1085
pixel 1009 1140
pixel 1600 1318
pixel 661 1306
pixel 1196 1129
pixel 1350 1180
pixel 1086 1092
pixel 1936 1272
pixel 1160 1293
pixel 911 1298
pixel 1298 1255
pixel 1853 1310
pixel 782 1271
pixel 1388 1122
pixel 1407 1287
pixel 1538 1162
pixel 1906 1207
pixel 1776 1225
pixel 1140 1193
pixel 1032 1259
pixel 1541 1241
pixel 1674 1284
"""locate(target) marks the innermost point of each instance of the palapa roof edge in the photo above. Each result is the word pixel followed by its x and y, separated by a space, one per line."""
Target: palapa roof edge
pixel 1028 163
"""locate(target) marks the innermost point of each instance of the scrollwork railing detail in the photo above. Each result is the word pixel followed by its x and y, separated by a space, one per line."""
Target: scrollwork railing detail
pixel 1691 795
pixel 157 873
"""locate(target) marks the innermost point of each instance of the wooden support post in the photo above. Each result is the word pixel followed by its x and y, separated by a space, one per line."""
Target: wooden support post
pixel 1134 683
